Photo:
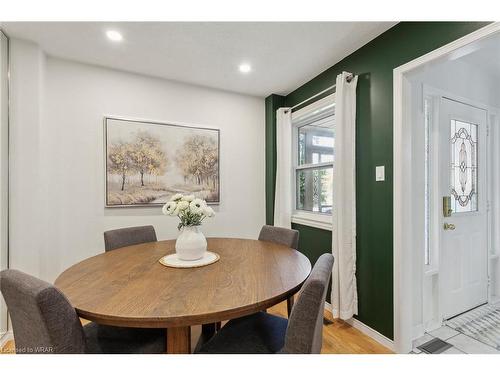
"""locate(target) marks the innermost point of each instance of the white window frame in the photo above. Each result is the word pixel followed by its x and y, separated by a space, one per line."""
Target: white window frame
pixel 303 217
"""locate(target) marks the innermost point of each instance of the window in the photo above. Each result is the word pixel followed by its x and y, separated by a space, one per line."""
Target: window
pixel 314 155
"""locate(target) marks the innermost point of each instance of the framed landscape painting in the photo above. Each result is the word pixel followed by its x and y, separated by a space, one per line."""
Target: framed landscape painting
pixel 148 162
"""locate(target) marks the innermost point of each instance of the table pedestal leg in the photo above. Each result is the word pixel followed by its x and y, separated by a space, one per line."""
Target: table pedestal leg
pixel 179 340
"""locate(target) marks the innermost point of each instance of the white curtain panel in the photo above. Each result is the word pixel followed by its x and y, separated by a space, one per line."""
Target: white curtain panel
pixel 344 291
pixel 283 193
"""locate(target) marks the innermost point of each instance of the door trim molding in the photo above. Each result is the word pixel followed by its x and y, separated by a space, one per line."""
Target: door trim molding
pixel 402 221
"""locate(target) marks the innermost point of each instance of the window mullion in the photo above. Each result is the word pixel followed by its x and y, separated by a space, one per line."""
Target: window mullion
pixel 314 166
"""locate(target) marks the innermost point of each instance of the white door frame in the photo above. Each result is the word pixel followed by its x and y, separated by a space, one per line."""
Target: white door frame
pixel 402 159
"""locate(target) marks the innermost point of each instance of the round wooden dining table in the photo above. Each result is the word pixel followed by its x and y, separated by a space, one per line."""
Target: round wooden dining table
pixel 128 287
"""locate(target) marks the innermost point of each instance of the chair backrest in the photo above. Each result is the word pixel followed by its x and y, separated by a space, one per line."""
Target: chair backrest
pixel 114 239
pixel 282 236
pixel 43 319
pixel 304 334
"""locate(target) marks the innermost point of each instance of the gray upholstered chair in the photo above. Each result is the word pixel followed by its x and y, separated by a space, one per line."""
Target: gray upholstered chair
pixel 116 238
pixel 265 333
pixel 45 322
pixel 282 236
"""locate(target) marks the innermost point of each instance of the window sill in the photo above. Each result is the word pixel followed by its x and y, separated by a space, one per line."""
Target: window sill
pixel 313 220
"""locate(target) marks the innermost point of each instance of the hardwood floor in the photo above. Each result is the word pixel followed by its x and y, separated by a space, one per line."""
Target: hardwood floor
pixel 8 348
pixel 338 337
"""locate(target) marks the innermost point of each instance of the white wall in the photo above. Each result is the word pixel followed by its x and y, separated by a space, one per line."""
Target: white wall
pixel 460 79
pixel 27 227
pixel 57 184
pixel 4 167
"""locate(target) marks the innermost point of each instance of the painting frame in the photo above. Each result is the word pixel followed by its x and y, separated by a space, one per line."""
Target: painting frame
pixel 134 120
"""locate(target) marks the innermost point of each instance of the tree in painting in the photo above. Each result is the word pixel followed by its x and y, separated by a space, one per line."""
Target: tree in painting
pixel 120 161
pixel 198 161
pixel 147 155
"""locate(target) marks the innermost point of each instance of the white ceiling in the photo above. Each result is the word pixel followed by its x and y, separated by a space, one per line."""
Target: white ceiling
pixel 484 55
pixel 283 55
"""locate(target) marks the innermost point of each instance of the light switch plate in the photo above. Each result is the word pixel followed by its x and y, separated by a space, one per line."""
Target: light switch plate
pixel 380 173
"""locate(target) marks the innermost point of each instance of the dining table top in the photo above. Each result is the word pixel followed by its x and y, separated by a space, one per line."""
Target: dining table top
pixel 129 287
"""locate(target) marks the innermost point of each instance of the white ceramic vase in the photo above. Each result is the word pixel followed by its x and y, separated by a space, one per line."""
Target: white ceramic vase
pixel 191 243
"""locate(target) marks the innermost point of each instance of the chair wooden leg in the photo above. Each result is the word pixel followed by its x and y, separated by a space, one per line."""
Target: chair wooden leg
pixel 218 326
pixel 289 305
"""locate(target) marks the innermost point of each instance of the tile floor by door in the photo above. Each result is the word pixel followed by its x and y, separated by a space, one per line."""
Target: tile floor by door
pixel 462 344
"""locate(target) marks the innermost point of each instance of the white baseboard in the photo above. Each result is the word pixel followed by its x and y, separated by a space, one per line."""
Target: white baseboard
pixel 7 336
pixel 368 331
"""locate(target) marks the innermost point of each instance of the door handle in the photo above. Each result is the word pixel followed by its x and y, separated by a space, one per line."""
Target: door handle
pixel 448 226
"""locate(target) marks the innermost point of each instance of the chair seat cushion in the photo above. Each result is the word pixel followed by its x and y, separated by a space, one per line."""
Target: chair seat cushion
pixel 102 339
pixel 260 333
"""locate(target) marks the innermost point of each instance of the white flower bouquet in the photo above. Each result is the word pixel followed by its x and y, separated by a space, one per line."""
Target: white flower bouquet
pixel 190 210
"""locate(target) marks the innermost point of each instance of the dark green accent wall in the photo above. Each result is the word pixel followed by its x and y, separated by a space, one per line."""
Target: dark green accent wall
pixel 313 242
pixel 374 63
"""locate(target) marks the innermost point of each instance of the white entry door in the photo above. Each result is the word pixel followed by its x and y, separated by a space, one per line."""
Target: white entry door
pixel 463 235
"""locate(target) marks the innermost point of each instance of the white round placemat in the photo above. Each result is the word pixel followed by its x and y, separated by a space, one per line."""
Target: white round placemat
pixel 173 261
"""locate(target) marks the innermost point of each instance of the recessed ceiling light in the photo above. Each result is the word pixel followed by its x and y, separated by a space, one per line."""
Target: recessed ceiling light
pixel 245 68
pixel 114 35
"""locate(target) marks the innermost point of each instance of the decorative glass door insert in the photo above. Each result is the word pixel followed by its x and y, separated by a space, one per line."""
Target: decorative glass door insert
pixel 463 165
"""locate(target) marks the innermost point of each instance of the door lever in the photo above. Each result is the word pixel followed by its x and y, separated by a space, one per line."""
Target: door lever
pixel 448 226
